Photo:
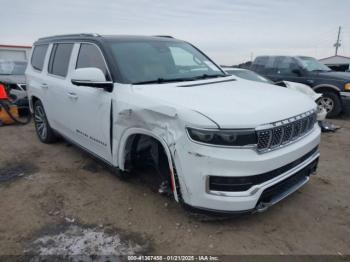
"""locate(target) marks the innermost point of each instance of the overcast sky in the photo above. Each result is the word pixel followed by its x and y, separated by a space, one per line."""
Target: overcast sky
pixel 229 31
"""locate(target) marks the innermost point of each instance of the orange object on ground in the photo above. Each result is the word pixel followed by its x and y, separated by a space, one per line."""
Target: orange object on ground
pixel 5 118
pixel 3 94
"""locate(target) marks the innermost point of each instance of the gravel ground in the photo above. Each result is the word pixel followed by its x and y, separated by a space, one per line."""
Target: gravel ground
pixel 54 186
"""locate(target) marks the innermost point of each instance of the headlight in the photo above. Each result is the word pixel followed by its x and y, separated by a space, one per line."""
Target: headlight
pixel 238 137
pixel 347 87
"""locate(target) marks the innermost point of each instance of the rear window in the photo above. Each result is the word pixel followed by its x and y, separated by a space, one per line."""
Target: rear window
pixel 38 56
pixel 59 59
pixel 12 67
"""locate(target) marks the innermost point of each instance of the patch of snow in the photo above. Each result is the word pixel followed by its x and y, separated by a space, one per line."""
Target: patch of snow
pixel 76 240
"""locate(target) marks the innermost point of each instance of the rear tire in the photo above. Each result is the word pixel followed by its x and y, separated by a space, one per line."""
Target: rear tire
pixel 331 102
pixel 43 130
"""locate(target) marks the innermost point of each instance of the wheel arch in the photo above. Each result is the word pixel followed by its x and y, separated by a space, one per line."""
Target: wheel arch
pixel 326 88
pixel 332 91
pixel 124 143
pixel 32 101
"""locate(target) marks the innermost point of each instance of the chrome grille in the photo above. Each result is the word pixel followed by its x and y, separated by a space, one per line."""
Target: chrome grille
pixel 283 132
pixel 287 135
pixel 276 136
pixel 264 139
pixel 296 129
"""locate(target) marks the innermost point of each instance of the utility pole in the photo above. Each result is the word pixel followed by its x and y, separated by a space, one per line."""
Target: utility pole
pixel 337 44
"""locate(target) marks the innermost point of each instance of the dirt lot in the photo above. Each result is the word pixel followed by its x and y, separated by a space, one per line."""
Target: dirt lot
pixel 60 186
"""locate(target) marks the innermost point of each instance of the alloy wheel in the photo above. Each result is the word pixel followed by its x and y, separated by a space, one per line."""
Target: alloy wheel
pixel 327 103
pixel 40 122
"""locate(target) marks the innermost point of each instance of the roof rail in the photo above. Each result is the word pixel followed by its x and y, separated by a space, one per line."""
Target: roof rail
pixel 69 35
pixel 166 36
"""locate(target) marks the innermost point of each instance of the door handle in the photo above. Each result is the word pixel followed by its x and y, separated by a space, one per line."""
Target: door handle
pixel 72 95
pixel 44 85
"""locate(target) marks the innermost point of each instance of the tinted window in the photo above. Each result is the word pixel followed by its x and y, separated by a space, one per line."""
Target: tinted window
pixel 285 65
pixel 38 56
pixel 90 56
pixel 264 65
pixel 59 59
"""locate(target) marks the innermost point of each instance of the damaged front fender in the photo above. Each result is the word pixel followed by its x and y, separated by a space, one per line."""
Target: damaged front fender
pixel 141 115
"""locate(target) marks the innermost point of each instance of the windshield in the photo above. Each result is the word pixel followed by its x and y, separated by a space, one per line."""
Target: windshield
pixel 311 64
pixel 248 75
pixel 150 61
pixel 12 68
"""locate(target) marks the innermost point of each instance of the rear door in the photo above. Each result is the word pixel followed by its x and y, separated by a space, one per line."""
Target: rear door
pixel 90 107
pixel 57 83
pixel 36 72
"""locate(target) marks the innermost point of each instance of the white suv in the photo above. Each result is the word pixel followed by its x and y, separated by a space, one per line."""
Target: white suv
pixel 220 143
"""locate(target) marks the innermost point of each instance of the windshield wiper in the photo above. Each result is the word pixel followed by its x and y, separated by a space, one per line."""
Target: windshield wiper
pixel 320 70
pixel 205 76
pixel 164 80
pixel 161 81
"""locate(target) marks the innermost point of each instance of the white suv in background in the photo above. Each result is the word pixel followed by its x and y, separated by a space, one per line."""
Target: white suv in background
pixel 220 143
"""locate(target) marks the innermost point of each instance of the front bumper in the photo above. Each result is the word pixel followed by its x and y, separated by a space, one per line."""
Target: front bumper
pixel 270 196
pixel 200 162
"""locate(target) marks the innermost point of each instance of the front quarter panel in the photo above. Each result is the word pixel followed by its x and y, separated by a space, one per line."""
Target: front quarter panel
pixel 138 114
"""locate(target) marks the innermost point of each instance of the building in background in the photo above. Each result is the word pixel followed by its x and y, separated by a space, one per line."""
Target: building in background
pixel 337 63
pixel 14 52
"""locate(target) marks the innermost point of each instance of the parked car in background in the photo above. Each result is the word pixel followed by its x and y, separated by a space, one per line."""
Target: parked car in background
pixel 250 75
pixel 12 76
pixel 218 143
pixel 335 86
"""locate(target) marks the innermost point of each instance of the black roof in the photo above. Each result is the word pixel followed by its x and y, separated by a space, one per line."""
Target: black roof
pixel 284 56
pixel 97 37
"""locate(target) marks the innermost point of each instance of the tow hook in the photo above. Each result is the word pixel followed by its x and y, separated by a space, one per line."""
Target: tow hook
pixel 313 168
pixel 262 207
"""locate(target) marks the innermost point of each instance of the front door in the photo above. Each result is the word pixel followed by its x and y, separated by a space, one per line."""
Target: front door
pixel 90 108
pixel 286 68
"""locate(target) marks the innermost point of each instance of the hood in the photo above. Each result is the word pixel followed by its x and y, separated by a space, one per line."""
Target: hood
pixel 13 79
pixel 231 104
pixel 305 89
pixel 342 76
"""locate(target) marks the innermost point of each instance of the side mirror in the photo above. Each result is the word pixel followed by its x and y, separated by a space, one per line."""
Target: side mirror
pixel 297 72
pixel 91 76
